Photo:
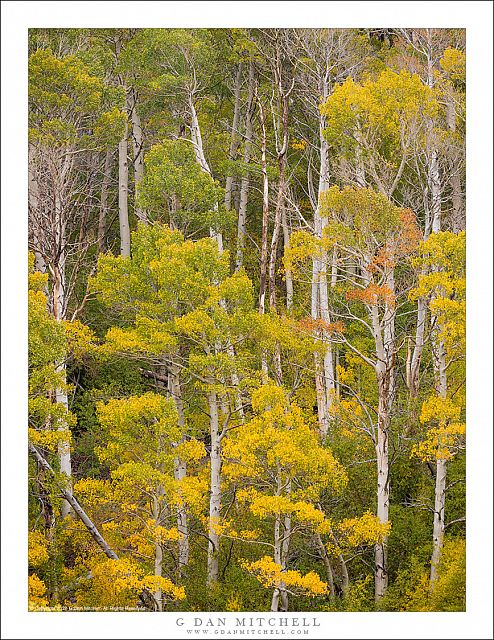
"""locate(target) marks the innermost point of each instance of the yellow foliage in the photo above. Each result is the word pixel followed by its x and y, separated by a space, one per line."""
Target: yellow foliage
pixel 441 410
pixel 271 575
pixel 453 64
pixel 364 531
pixel 445 435
pixel 166 586
pixel 36 593
pixel 37 549
pixel 441 443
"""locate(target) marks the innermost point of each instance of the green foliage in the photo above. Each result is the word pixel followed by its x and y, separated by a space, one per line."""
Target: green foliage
pixel 69 105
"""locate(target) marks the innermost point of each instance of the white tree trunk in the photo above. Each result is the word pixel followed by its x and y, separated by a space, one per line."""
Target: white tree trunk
pixel 215 492
pixel 438 527
pixel 59 303
pixel 234 137
pixel 69 497
pixel 265 215
pixel 34 210
pixel 138 152
pixel 288 273
pixel 123 195
pixel 244 183
pixel 413 366
pixel 158 555
pixel 325 385
pixel 382 454
pixel 439 361
pixel 196 137
pixel 180 469
pixel 457 200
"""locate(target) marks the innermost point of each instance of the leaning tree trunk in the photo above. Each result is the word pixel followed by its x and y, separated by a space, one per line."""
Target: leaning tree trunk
pixel 79 511
pixel 196 136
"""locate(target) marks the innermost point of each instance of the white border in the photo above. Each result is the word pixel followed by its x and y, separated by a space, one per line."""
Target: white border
pixel 17 17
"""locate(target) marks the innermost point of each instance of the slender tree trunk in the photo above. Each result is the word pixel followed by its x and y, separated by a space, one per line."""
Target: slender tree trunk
pixel 288 273
pixel 138 153
pixel 360 167
pixel 158 555
pixel 123 195
pixel 103 211
pixel 275 600
pixel 327 563
pixel 34 210
pixel 413 366
pixel 438 528
pixel 265 214
pixel 215 495
pixel 285 548
pixel 59 303
pixel 458 205
pixel 180 469
pixel 324 366
pixel 384 337
pixel 439 362
pixel 69 497
pixel 244 183
pixel 234 138
pixel 382 454
pixel 196 137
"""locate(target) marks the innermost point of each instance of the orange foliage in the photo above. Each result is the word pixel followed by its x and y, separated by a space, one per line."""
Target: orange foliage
pixel 372 295
pixel 312 325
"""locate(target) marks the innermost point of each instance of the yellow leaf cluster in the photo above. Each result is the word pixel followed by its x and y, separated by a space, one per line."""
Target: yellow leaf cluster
pixel 271 575
pixel 364 531
pixel 37 549
pixel 36 593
